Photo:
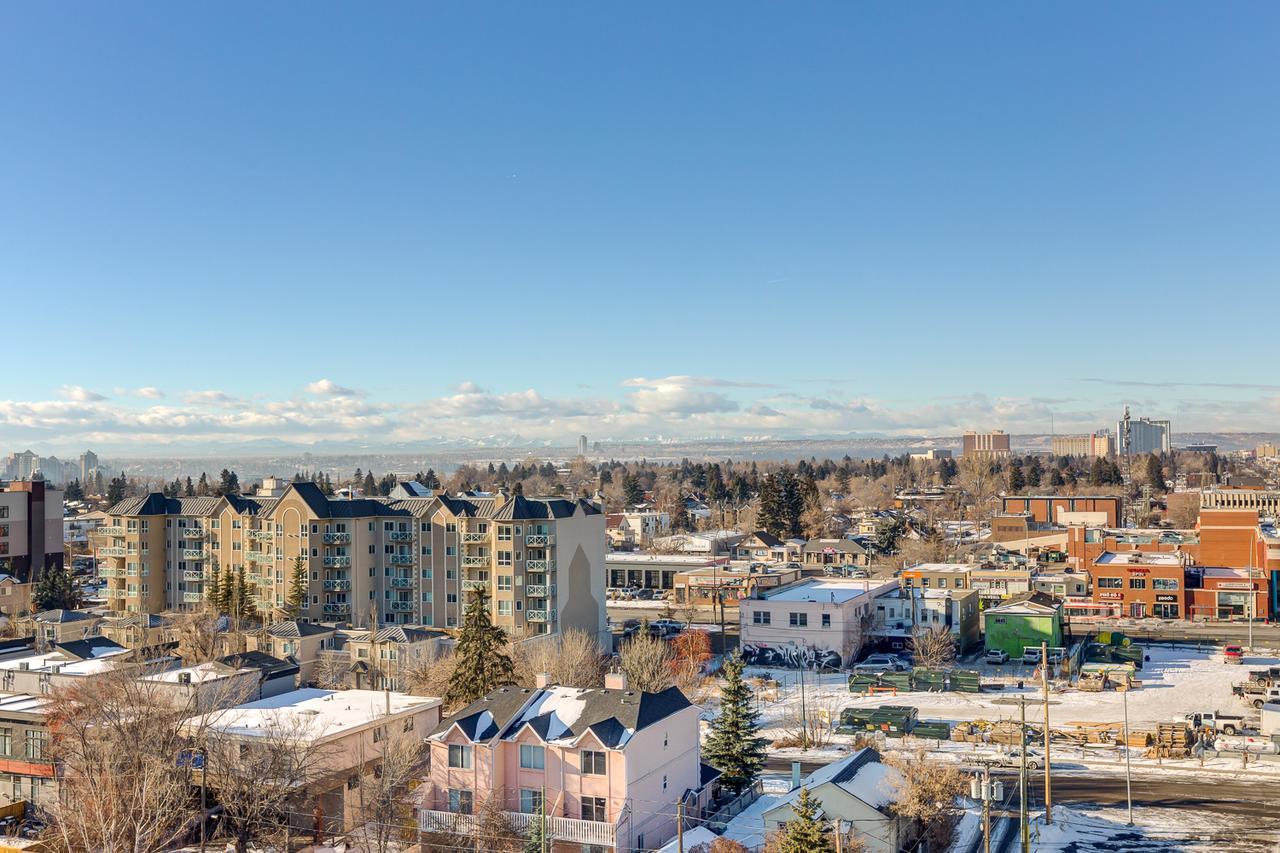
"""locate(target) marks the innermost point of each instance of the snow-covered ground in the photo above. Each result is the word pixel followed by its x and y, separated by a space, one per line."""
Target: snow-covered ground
pixel 1175 681
pixel 1085 830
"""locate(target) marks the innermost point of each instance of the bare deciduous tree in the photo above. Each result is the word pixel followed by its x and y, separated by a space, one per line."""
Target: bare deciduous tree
pixel 933 647
pixel 926 794
pixel 432 677
pixel 385 808
pixel 332 670
pixel 647 663
pixel 571 658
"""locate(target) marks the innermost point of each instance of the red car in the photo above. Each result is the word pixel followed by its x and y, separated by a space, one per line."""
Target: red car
pixel 1232 654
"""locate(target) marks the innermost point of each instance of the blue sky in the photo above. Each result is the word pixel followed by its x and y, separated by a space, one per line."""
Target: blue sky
pixel 675 219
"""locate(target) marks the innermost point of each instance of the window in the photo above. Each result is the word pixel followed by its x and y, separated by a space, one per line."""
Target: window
pixel 6 740
pixel 593 762
pixel 35 744
pixel 504 558
pixel 460 801
pixel 799 620
pixel 504 608
pixel 450 527
pixel 530 801
pixel 460 756
pixel 1164 583
pixel 826 620
pixel 504 583
pixel 1137 583
pixel 761 617
pixel 1110 583
pixel 593 809
pixel 532 757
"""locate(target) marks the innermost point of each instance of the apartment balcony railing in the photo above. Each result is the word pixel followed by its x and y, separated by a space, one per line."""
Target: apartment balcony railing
pixel 259 557
pixel 337 608
pixel 401 606
pixel 190 575
pixel 540 615
pixel 337 585
pixel 470 562
pixel 110 529
pixel 191 531
pixel 193 553
pixel 262 535
pixel 107 572
pixel 540 590
pixel 401 559
pixel 400 536
pixel 539 565
pixel 336 561
pixel 400 583
pixel 111 551
pixel 563 829
pixel 474 538
pixel 540 540
pixel 116 593
pixel 337 538
pixel 192 597
pixel 472 583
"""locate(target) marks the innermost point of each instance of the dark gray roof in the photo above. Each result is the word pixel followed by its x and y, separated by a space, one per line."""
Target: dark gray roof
pixel 860 759
pixel 63 616
pixel 272 667
pixel 293 629
pixel 610 714
pixel 89 647
pixel 517 508
pixel 767 539
pixel 411 489
pixel 324 507
pixel 157 504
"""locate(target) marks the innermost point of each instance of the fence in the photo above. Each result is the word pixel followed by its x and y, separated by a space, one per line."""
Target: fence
pixel 720 818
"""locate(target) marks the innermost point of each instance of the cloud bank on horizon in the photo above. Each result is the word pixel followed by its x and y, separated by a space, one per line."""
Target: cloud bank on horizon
pixel 671 407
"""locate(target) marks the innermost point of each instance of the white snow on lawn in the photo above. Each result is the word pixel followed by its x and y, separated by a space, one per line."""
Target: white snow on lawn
pixel 1176 681
pixel 1086 830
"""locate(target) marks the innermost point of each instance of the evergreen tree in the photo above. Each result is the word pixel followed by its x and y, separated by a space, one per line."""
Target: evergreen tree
pixel 631 492
pixel 296 598
pixel 804 834
pixel 431 481
pixel 482 660
pixel 191 489
pixel 773 511
pixel 228 482
pixel 734 745
pixel 213 591
pixel 1017 482
pixel 539 839
pixel 1035 472
pixel 73 491
pixel 1154 472
pixel 55 591
pixel 369 486
pixel 115 490
pixel 242 605
pixel 1098 473
pixel 1055 478
pixel 202 487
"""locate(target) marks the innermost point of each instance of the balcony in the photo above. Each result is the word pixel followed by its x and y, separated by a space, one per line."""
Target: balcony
pixel 401 606
pixel 337 538
pixel 540 540
pixel 401 536
pixel 192 598
pixel 540 590
pixel 337 609
pixel 191 531
pixel 111 551
pixel 258 557
pixel 110 530
pixel 105 572
pixel 337 561
pixel 471 562
pixel 472 583
pixel 193 553
pixel 190 576
pixel 116 593
pixel 337 585
pixel 261 535
pixel 563 829
pixel 401 559
pixel 540 615
pixel 400 583
pixel 539 565
pixel 474 538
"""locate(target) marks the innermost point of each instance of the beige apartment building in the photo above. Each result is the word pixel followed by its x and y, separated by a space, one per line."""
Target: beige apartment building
pixel 405 561
pixel 994 443
pixel 1259 500
pixel 1099 444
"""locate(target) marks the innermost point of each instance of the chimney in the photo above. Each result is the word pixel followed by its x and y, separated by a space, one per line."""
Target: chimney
pixel 615 681
pixel 542 680
pixel 795 775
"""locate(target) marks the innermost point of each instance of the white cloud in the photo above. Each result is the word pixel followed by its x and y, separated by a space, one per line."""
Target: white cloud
pixel 209 398
pixel 691 382
pixel 150 392
pixel 80 394
pixel 329 388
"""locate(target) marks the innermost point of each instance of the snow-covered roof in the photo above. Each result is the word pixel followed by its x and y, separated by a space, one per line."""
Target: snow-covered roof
pixel 1140 558
pixel 860 774
pixel 692 838
pixel 827 591
pixel 561 706
pixel 314 714
pixel 939 567
pixel 198 673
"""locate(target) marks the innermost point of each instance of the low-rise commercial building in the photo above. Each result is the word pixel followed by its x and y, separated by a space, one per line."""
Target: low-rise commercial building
pixel 727 586
pixel 1227 594
pixel 822 622
pixel 1141 583
pixel 937 576
pixel 1049 509
pixel 900 611
pixel 1024 620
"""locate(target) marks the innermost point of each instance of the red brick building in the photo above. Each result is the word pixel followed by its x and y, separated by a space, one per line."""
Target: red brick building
pixel 1142 584
pixel 1221 593
pixel 1044 509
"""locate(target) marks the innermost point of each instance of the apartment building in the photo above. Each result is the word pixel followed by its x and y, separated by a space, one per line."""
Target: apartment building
pixel 1264 501
pixel 1099 444
pixel 407 561
pixel 31 529
pixel 994 443
pixel 1099 510
pixel 816 621
pixel 607 765
pixel 899 610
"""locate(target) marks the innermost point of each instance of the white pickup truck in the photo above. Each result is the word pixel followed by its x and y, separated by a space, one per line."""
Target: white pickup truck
pixel 1215 721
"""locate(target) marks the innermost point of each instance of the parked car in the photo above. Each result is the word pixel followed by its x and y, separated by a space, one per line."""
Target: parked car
pixel 1031 655
pixel 879 663
pixel 1233 654
pixel 644 595
pixel 1013 758
pixel 666 626
pixel 1215 721
pixel 997 656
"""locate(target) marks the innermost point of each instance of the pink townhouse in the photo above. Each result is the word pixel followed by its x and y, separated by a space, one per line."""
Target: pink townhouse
pixel 613 764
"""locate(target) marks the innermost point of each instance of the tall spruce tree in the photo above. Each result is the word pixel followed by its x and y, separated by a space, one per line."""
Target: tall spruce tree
pixel 213 591
pixel 734 746
pixel 804 834
pixel 482 659
pixel 296 598
pixel 773 511
pixel 55 591
pixel 539 840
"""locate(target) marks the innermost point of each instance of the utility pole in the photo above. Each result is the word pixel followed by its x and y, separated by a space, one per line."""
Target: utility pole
pixel 544 819
pixel 1022 778
pixel 839 842
pixel 804 716
pixel 680 826
pixel 204 806
pixel 987 791
pixel 1128 775
pixel 1044 680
